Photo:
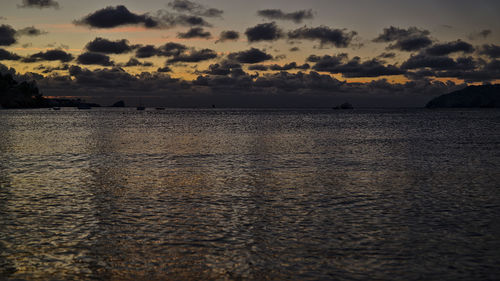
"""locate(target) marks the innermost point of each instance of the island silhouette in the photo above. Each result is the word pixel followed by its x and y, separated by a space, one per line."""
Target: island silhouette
pixel 485 96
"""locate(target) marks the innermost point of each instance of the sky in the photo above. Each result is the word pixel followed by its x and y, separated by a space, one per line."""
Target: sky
pixel 235 53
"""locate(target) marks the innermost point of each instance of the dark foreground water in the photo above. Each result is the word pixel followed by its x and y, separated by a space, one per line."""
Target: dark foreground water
pixel 250 194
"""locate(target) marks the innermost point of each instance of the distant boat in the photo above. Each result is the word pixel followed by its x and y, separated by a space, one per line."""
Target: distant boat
pixel 160 108
pixel 83 106
pixel 56 108
pixel 141 107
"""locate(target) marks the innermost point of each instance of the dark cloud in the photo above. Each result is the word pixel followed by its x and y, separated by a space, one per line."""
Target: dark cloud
pixel 164 69
pixel 225 68
pixel 146 51
pixel 168 20
pixel 228 35
pixel 49 69
pixel 116 16
pixel 276 14
pixel 387 55
pixel 250 56
pixel 260 67
pixel 354 67
pixel 470 71
pixel 172 49
pixel 50 55
pixel 116 79
pixel 423 60
pixel 483 34
pixel 30 31
pixel 289 66
pixel 7 35
pixel 392 33
pixel 136 62
pixel 235 89
pixel 411 43
pixel 338 37
pixel 94 58
pixel 39 4
pixel 194 56
pixel 264 32
pixel 411 39
pixel 491 50
pixel 187 6
pixel 449 48
pixel 194 32
pixel 167 50
pixel 101 45
pixel 6 55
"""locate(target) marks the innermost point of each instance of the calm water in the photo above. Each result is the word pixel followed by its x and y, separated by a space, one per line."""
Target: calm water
pixel 249 194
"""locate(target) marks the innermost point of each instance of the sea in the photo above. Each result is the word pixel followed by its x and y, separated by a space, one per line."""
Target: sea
pixel 250 194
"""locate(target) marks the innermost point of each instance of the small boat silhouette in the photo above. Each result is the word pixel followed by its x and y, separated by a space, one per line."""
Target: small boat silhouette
pixel 140 107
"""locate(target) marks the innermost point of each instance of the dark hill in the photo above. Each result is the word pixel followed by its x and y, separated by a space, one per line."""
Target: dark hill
pixel 472 96
pixel 19 95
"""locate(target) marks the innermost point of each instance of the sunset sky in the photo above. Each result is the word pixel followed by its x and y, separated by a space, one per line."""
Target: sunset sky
pixel 251 53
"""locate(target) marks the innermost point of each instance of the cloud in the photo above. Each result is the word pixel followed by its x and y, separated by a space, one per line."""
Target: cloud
pixel 110 17
pixel 236 88
pixel 7 35
pixel 6 55
pixel 30 31
pixel 146 51
pixel 224 68
pixel 423 60
pixel 411 39
pixel 168 20
pixel 276 14
pixel 483 34
pixel 491 50
pixel 194 32
pixel 164 69
pixel 228 35
pixel 94 58
pixel 354 67
pixel 340 38
pixel 392 33
pixel 389 55
pixel 450 47
pixel 250 56
pixel 411 43
pixel 50 55
pixel 167 50
pixel 136 62
pixel 39 4
pixel 194 56
pixel 172 49
pixel 186 6
pixel 101 45
pixel 289 66
pixel 471 71
pixel 260 67
pixel 264 32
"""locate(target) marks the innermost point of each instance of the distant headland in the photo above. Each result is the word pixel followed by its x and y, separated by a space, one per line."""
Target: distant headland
pixel 26 95
pixel 485 96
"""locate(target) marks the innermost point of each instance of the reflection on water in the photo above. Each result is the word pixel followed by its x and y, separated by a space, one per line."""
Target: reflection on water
pixel 249 194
